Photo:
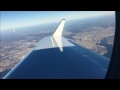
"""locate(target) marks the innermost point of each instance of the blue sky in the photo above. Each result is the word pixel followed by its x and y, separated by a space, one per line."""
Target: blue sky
pixel 14 19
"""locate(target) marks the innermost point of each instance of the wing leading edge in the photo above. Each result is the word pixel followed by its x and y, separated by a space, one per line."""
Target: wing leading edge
pixel 56 57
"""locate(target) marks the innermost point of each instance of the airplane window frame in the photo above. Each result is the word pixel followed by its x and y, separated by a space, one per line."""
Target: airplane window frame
pixel 114 65
pixel 113 71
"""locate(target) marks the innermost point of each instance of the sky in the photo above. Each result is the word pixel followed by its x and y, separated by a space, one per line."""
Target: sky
pixel 15 19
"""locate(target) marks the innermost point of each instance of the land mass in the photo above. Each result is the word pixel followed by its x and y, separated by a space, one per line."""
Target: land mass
pixel 85 32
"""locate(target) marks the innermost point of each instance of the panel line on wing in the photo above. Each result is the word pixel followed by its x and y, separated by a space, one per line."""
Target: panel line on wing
pixel 52 42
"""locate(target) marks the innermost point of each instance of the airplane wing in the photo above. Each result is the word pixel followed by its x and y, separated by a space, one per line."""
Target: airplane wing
pixel 56 57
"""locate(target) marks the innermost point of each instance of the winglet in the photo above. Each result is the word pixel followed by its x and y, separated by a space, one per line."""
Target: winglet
pixel 58 34
pixel 59 29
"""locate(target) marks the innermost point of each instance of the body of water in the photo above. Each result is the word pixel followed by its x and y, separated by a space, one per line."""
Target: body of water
pixel 108 46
